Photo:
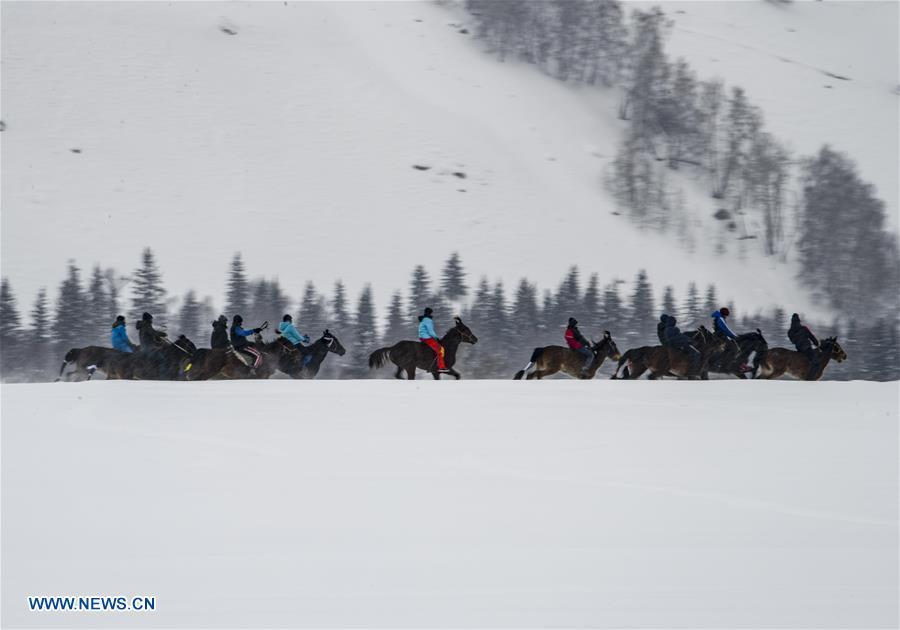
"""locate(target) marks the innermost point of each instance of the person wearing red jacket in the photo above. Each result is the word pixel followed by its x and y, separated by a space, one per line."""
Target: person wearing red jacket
pixel 576 341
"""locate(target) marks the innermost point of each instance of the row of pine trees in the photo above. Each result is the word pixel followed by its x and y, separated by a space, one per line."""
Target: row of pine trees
pixel 509 322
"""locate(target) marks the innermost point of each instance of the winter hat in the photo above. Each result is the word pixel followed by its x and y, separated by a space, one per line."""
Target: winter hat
pixel 572 322
pixel 222 319
pixel 147 317
pixel 663 318
pixel 237 319
pixel 428 311
pixel 120 318
pixel 724 312
pixel 287 318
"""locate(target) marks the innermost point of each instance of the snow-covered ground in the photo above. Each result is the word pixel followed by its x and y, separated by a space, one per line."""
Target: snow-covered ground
pixel 459 504
pixel 293 139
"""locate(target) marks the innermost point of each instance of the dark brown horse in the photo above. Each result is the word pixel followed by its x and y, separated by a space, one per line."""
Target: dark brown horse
pixel 552 359
pixel 305 362
pixel 733 358
pixel 90 359
pixel 210 363
pixel 779 361
pixel 163 364
pixel 667 361
pixel 409 355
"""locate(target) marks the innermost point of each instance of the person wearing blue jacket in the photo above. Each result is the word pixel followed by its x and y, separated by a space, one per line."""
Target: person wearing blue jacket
pixel 720 326
pixel 239 334
pixel 428 336
pixel 287 330
pixel 120 340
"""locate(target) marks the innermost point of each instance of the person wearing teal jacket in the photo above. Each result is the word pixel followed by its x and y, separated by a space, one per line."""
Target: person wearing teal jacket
pixel 120 340
pixel 290 332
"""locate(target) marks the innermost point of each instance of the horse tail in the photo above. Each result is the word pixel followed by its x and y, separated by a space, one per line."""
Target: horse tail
pixel 535 355
pixel 71 355
pixel 379 358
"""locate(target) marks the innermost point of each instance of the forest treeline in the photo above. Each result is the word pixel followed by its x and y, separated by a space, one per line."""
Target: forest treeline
pixel 701 134
pixel 509 321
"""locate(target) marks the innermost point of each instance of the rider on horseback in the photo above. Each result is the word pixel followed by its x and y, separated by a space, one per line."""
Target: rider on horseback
pixel 429 337
pixel 805 341
pixel 579 344
pixel 674 338
pixel 239 340
pixel 721 329
pixel 150 338
pixel 219 338
pixel 120 340
pixel 287 329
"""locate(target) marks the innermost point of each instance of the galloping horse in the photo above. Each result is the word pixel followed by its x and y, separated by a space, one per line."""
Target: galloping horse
pixel 305 362
pixel 778 361
pixel 731 359
pixel 409 355
pixel 667 361
pixel 552 359
pixel 90 359
pixel 161 365
pixel 209 363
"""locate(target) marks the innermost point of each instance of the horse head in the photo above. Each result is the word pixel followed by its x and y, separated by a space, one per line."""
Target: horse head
pixel 464 332
pixel 606 347
pixel 831 347
pixel 331 343
pixel 185 345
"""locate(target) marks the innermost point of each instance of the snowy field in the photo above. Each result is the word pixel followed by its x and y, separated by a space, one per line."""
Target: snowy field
pixel 383 503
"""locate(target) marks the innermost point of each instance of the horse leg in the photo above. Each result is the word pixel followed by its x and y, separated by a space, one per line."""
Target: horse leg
pixel 411 373
pixel 454 373
pixel 399 373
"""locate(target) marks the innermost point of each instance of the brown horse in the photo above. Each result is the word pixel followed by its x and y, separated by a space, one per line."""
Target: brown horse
pixel 91 359
pixel 161 365
pixel 666 361
pixel 776 362
pixel 409 355
pixel 552 359
pixel 305 362
pixel 212 363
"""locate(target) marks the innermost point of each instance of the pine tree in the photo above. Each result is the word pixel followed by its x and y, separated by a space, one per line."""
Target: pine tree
pixel 453 279
pixel 396 328
pixel 612 307
pixel 69 330
pixel 642 311
pixel 591 307
pixel 365 335
pixel 711 303
pixel 11 346
pixel 313 315
pixel 99 317
pixel 525 317
pixel 669 306
pixel 39 340
pixel 190 319
pixel 237 294
pixel 148 294
pixel 691 310
pixel 340 318
pixel 568 297
pixel 419 293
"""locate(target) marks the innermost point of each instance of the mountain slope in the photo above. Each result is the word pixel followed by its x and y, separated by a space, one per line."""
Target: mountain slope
pixel 293 138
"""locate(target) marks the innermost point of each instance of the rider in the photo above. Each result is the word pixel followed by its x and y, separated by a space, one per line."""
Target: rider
pixel 578 343
pixel 150 338
pixel 120 340
pixel 804 340
pixel 219 338
pixel 239 339
pixel 674 338
pixel 287 329
pixel 430 338
pixel 661 328
pixel 721 329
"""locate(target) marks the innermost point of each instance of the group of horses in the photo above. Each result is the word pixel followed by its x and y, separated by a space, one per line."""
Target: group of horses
pixel 182 360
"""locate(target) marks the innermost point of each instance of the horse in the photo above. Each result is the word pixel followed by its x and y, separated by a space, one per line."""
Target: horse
pixel 163 364
pixel 208 363
pixel 409 355
pixel 552 359
pixel 668 361
pixel 734 357
pixel 304 362
pixel 90 359
pixel 779 361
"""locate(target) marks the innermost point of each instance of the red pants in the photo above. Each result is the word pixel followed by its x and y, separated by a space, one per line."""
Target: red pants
pixel 438 350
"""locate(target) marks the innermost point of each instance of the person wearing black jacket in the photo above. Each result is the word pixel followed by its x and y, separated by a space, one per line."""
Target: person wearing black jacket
pixel 150 338
pixel 805 341
pixel 219 338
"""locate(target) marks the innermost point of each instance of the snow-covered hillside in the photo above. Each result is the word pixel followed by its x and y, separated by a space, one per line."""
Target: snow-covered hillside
pixel 289 131
pixel 469 504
